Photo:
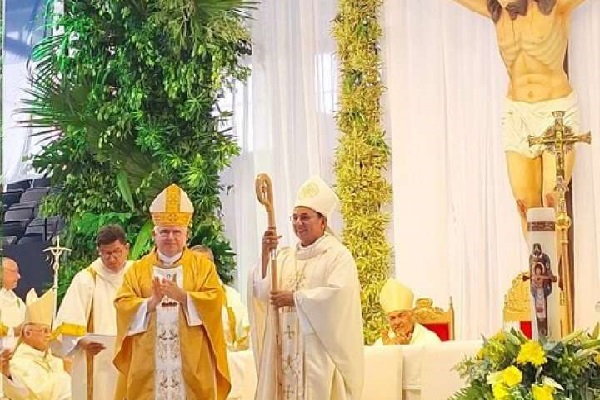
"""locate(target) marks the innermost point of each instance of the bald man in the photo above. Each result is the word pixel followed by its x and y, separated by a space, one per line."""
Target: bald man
pixel 13 308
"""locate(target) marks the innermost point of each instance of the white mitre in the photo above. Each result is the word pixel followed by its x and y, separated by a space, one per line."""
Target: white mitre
pixel 394 296
pixel 39 310
pixel 318 196
pixel 172 207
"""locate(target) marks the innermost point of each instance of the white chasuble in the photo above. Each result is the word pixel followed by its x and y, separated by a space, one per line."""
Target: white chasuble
pixel 322 342
pixel 38 375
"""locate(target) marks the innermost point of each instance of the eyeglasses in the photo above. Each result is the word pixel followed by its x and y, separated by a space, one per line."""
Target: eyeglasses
pixel 115 253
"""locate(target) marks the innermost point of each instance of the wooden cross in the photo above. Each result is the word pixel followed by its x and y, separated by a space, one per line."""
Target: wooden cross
pixel 559 139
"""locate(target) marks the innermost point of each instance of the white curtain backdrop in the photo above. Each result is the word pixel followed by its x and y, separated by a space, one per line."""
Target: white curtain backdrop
pixel 456 228
pixel 584 64
pixel 284 120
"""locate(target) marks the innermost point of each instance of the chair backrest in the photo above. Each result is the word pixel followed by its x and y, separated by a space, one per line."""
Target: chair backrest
pixel 41 182
pixel 11 197
pixel 435 319
pixel 34 194
pixel 18 214
pixel 517 304
pixel 23 185
pixel 14 228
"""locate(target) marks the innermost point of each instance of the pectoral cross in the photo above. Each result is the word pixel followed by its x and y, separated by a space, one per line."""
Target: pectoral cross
pixel 559 139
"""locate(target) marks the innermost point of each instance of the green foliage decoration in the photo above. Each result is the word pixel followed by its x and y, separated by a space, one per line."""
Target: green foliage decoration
pixel 363 154
pixel 125 99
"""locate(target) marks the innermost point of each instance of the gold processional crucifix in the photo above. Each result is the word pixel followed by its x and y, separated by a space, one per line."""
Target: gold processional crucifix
pixel 559 139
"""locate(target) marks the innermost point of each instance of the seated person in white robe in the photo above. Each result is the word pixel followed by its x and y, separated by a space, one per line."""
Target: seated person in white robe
pixel 33 373
pixel 236 325
pixel 397 302
pixel 88 308
pixel 317 299
pixel 12 308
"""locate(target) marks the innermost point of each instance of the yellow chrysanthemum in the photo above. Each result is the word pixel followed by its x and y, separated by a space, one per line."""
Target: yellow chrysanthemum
pixel 531 352
pixel 511 376
pixel 500 336
pixel 500 391
pixel 543 392
pixel 597 358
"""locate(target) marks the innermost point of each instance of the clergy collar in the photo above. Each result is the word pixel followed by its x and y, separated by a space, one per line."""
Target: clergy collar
pixel 314 249
pixel 166 260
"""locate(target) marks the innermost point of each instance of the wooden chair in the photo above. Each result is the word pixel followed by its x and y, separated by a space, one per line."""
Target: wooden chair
pixel 435 319
pixel 517 304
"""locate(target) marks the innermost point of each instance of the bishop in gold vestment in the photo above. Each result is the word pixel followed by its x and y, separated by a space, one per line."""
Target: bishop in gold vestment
pixel 170 342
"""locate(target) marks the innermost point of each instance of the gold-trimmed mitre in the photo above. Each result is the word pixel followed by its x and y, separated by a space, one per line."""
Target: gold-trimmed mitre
pixel 172 207
pixel 318 196
pixel 394 296
pixel 39 310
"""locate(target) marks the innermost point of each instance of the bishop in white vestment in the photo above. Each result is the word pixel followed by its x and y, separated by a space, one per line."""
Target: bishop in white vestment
pixel 34 373
pixel 397 302
pixel 88 308
pixel 318 300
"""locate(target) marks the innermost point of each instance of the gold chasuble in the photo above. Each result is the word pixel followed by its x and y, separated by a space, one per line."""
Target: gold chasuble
pixel 200 350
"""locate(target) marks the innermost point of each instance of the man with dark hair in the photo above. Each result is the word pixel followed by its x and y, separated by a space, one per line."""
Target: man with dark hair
pixel 87 308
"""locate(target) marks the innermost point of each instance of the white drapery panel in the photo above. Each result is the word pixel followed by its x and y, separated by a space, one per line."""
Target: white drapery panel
pixel 456 228
pixel 584 64
pixel 284 120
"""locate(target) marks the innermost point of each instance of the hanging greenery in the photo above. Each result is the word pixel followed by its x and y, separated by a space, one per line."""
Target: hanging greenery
pixel 127 101
pixel 363 154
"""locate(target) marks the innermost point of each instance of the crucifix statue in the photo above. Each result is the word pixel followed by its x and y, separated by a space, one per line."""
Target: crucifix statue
pixel 559 139
pixel 57 250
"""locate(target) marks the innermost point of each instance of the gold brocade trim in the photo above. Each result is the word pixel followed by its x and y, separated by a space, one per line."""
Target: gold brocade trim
pixel 70 330
pixel 3 330
pixel 173 199
pixel 171 218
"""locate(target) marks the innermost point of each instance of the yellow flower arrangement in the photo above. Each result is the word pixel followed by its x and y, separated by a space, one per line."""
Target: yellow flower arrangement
pixel 531 352
pixel 543 392
pixel 509 366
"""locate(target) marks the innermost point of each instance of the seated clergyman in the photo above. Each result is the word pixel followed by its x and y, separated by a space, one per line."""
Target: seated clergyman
pixel 33 372
pixel 397 302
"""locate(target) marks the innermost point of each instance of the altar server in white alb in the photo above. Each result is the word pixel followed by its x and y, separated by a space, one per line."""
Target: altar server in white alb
pixel 318 298
pixel 88 308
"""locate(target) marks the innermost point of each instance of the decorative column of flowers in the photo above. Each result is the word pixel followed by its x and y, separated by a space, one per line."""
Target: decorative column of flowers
pixel 363 154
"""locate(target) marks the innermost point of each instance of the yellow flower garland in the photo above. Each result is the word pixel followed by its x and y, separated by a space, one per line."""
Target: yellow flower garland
pixel 363 154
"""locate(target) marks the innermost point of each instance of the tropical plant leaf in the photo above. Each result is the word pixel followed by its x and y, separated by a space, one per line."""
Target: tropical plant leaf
pixel 124 189
pixel 142 240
